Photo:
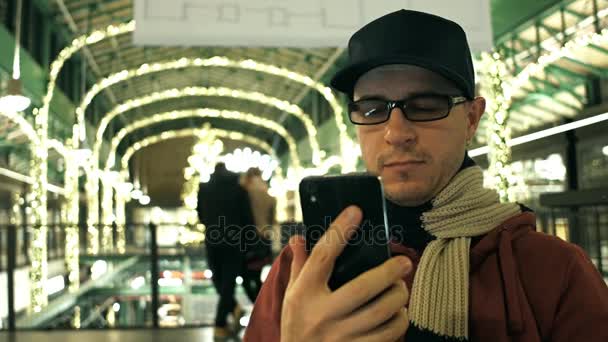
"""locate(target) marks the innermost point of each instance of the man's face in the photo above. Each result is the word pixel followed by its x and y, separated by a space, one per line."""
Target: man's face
pixel 416 160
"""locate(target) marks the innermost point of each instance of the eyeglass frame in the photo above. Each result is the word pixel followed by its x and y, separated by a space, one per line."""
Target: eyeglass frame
pixel 453 101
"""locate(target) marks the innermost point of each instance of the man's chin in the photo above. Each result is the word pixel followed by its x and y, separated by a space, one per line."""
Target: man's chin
pixel 407 194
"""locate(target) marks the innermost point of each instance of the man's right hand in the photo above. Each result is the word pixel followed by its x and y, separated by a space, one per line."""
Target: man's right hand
pixel 370 307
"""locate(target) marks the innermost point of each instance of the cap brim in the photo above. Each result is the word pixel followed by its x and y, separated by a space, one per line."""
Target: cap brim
pixel 345 79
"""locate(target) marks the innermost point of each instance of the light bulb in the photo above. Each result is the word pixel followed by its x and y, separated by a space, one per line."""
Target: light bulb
pixel 144 200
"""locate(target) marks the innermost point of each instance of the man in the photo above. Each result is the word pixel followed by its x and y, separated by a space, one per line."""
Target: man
pixel 259 250
pixel 470 268
pixel 224 209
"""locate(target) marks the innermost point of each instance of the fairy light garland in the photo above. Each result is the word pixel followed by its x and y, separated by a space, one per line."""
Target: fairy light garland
pixel 346 144
pixel 187 132
pixel 107 218
pixel 204 113
pixel 106 213
pixel 220 92
pixel 72 246
pixel 494 73
pixel 38 167
pixel 92 213
pixel 554 54
pixel 58 146
pixel 122 195
pixel 38 219
pixel 205 152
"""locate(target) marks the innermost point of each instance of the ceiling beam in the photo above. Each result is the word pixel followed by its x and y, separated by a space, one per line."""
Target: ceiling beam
pixel 597 71
pixel 85 50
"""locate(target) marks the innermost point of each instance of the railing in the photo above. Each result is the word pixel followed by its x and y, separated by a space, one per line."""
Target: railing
pixel 141 246
pixel 580 217
pixel 151 250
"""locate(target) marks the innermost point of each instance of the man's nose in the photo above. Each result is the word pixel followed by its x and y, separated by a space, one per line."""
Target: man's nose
pixel 399 130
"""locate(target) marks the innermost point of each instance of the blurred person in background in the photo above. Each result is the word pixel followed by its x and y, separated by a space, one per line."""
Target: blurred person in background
pixel 259 252
pixel 225 210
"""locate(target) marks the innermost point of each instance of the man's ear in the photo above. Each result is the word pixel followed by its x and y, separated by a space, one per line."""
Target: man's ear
pixel 476 109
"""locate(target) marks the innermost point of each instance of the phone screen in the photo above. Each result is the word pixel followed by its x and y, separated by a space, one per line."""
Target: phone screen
pixel 324 197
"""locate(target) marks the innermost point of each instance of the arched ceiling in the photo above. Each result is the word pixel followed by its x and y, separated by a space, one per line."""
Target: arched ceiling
pixel 548 99
pixel 514 22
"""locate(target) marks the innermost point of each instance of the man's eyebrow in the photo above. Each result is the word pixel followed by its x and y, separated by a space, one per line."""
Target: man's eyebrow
pixel 373 97
pixel 417 93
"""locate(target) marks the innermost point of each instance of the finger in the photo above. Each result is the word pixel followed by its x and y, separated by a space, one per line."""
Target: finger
pixel 392 330
pixel 323 256
pixel 299 256
pixel 368 285
pixel 378 311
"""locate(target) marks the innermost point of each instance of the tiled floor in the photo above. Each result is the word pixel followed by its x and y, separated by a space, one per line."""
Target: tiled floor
pixel 201 311
pixel 139 335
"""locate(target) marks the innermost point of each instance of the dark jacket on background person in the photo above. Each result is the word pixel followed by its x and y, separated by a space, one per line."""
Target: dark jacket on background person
pixel 510 268
pixel 225 210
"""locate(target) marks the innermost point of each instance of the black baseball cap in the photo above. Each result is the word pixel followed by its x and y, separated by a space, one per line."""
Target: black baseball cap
pixel 414 38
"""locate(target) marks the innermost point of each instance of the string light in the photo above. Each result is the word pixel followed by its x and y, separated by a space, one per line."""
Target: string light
pixel 122 194
pixel 38 167
pixel 187 132
pixel 242 160
pixel 204 155
pixel 15 214
pixel 111 179
pixel 555 53
pixel 38 194
pixel 72 249
pixel 58 146
pixel 349 161
pixel 121 197
pixel 221 92
pixel 106 204
pixel 38 219
pixel 38 171
pixel 204 113
pixel 494 73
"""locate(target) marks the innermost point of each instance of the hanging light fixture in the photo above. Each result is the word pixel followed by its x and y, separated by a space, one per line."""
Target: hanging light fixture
pixel 14 100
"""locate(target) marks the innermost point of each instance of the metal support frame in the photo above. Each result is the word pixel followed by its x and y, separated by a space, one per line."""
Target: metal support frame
pixel 575 14
pixel 600 72
pixel 598 244
pixel 85 50
pixel 552 31
pixel 572 184
pixel 546 84
pixel 154 274
pixel 598 48
pixel 533 97
pixel 563 24
pixel 10 272
pixel 557 71
pixel 537 37
pixel 596 19
pixel 528 113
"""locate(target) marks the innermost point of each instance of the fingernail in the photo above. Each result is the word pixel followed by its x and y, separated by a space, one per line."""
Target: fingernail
pixel 351 212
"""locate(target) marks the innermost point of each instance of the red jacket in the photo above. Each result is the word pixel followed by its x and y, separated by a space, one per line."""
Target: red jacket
pixel 524 286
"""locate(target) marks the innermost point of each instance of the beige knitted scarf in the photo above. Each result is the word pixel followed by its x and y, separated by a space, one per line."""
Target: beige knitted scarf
pixel 440 295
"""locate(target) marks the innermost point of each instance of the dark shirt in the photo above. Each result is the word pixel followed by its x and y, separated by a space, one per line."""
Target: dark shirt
pixel 225 210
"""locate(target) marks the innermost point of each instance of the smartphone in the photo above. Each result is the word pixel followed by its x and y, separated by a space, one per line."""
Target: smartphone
pixel 324 197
